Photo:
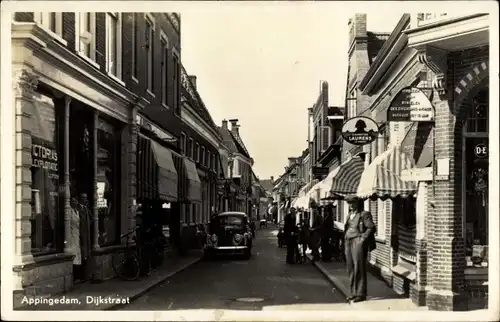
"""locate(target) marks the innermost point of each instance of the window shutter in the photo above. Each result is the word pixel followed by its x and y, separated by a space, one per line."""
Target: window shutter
pixel 325 138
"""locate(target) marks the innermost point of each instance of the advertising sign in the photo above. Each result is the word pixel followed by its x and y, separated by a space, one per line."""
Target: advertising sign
pixel 44 156
pixel 360 130
pixel 410 105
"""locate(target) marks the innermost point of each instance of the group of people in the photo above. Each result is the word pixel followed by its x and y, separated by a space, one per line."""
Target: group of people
pixel 353 244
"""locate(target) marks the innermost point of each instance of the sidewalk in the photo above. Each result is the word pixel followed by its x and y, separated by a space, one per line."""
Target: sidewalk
pixel 119 288
pixel 380 295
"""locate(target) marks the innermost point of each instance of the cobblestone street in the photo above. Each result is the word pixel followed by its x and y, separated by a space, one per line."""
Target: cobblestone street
pixel 263 282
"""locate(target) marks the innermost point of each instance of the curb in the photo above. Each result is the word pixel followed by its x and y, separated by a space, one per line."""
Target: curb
pixel 150 287
pixel 338 286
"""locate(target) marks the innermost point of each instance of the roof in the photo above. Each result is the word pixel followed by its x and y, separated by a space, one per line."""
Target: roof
pixel 228 140
pixel 267 184
pixel 190 93
pixel 240 145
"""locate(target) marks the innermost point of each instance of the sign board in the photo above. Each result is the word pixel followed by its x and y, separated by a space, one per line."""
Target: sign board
pixel 44 156
pixel 481 150
pixel 360 130
pixel 320 171
pixel 410 105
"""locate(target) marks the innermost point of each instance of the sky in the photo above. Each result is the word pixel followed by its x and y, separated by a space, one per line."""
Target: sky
pixel 263 65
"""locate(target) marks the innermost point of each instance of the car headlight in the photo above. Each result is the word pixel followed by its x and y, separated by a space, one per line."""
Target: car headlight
pixel 214 238
pixel 238 238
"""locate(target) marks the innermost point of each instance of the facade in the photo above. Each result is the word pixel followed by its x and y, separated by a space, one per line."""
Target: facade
pixel 239 180
pixel 432 206
pixel 66 77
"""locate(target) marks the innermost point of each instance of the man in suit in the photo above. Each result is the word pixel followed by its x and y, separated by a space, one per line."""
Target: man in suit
pixel 290 230
pixel 359 234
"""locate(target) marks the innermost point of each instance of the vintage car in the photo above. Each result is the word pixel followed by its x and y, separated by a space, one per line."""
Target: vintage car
pixel 229 233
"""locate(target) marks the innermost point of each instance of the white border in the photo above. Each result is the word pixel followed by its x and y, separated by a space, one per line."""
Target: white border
pixel 7 164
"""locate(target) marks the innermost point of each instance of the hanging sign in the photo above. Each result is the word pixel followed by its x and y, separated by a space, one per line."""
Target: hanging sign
pixel 360 130
pixel 410 105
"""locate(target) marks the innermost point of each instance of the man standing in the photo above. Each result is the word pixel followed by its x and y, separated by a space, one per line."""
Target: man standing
pixel 290 230
pixel 359 233
pixel 326 247
pixel 86 233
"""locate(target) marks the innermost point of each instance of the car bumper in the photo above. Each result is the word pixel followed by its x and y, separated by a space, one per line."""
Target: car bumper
pixel 226 249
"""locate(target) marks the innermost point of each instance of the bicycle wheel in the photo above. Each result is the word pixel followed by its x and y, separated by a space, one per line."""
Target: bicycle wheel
pixel 126 265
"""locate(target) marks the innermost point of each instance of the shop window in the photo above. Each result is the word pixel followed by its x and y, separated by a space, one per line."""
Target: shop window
pixel 108 181
pixel 406 216
pixel 85 33
pixel 475 180
pixel 114 44
pixel 47 230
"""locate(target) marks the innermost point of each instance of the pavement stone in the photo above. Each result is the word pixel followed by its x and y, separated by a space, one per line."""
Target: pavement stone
pixel 380 295
pixel 117 288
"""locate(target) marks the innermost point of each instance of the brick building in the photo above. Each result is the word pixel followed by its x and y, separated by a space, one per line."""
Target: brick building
pixel 103 108
pixel 432 226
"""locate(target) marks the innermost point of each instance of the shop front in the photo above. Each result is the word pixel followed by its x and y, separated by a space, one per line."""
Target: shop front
pixel 74 140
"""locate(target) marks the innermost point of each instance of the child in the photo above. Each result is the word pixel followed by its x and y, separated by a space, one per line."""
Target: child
pixel 280 238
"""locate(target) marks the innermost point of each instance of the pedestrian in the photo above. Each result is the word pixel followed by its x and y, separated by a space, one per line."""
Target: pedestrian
pixel 327 235
pixel 304 237
pixel 86 233
pixel 315 236
pixel 359 239
pixel 290 230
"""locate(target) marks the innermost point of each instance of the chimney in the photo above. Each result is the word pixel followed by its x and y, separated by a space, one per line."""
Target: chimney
pixel 224 124
pixel 291 161
pixel 235 126
pixel 272 179
pixel 192 79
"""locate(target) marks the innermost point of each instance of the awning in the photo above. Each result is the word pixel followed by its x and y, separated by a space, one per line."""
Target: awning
pixel 193 193
pixel 344 179
pixel 382 177
pixel 314 193
pixel 167 175
pixel 418 144
pixel 156 172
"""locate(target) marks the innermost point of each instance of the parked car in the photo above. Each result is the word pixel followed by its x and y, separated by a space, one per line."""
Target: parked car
pixel 229 233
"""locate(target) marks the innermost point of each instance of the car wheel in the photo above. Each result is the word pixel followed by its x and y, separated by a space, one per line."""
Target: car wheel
pixel 248 253
pixel 208 254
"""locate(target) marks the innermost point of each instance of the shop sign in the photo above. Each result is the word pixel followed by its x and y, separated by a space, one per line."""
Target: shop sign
pixel 410 105
pixel 44 156
pixel 320 171
pixel 481 150
pixel 360 130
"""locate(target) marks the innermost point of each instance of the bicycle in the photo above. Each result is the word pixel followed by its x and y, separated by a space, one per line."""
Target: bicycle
pixel 126 262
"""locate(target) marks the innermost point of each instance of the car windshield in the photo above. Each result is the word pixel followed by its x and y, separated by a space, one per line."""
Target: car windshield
pixel 230 220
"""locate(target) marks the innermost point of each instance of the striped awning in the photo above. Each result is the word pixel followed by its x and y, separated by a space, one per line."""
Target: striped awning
pixel 344 180
pixel 381 179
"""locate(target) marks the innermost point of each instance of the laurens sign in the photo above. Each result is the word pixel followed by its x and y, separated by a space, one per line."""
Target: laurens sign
pixel 410 105
pixel 360 130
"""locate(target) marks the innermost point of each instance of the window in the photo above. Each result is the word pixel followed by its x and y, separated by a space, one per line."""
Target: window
pixel 197 152
pixel 135 32
pixel 214 163
pixel 164 69
pixel 176 81
pixel 108 182
pixel 150 37
pixel 209 159
pixel 114 44
pixel 183 143
pixel 46 176
pixel 202 157
pixel 351 103
pixel 53 22
pixel 381 218
pixel 85 33
pixel 190 149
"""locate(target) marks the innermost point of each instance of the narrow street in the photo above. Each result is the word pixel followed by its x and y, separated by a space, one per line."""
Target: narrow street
pixel 233 283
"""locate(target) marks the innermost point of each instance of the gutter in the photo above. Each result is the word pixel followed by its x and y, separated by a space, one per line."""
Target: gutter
pixel 383 53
